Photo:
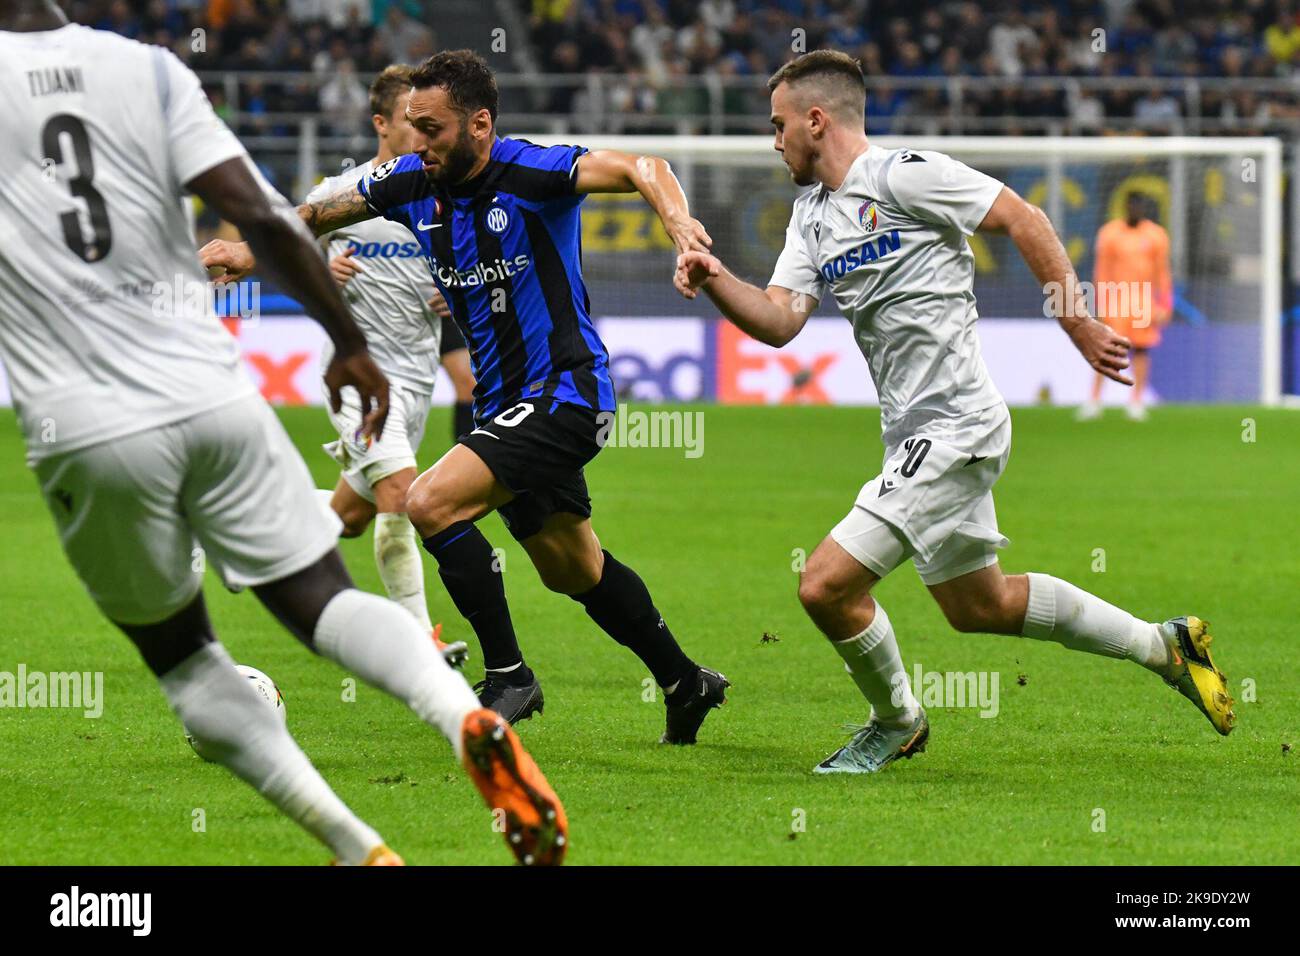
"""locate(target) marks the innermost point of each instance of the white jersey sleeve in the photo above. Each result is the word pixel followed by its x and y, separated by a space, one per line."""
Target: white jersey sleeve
pixel 324 189
pixel 795 269
pixel 390 298
pixel 196 138
pixel 938 189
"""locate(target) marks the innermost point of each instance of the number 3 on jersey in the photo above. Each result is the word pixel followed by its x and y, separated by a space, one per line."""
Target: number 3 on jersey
pixel 101 239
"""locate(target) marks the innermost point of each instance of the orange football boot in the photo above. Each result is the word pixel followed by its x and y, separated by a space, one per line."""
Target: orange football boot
pixel 537 830
pixel 455 654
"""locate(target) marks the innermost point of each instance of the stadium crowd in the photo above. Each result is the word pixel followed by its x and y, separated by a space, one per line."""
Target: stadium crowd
pixel 650 49
pixel 653 42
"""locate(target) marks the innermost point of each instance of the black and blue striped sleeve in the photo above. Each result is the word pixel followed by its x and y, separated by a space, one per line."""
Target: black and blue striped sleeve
pixel 542 173
pixel 392 186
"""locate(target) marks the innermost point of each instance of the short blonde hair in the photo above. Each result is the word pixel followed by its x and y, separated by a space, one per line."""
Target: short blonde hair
pixel 387 87
pixel 837 75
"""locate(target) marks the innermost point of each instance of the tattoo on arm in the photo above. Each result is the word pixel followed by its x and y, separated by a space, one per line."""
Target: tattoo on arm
pixel 334 212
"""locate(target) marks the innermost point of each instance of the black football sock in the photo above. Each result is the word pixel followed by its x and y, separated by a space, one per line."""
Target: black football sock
pixel 466 566
pixel 621 605
pixel 462 422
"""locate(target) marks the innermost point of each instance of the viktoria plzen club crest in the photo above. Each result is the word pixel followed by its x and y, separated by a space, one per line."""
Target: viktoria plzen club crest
pixel 867 215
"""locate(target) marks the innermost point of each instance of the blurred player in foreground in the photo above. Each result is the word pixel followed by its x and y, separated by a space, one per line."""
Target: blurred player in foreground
pixel 884 231
pixel 1134 294
pixel 387 285
pixel 500 222
pixel 148 438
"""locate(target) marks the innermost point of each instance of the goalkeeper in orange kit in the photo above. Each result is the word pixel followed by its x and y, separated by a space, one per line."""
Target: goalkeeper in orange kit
pixel 1134 293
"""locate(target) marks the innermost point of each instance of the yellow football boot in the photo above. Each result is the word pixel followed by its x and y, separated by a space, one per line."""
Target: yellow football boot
pixel 1193 674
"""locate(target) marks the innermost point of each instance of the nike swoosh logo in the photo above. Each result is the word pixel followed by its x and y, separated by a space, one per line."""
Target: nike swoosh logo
pixel 479 431
pixel 423 228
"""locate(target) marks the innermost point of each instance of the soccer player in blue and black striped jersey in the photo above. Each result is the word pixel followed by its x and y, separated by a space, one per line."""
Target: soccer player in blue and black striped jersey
pixel 499 221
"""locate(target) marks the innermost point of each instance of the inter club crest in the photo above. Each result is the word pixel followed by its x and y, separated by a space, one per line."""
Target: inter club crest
pixel 867 216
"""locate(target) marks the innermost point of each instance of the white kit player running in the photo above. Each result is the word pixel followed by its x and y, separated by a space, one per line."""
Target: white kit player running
pixel 390 291
pixel 149 440
pixel 884 232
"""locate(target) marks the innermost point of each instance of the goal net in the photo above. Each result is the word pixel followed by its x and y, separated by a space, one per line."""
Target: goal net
pixel 1218 199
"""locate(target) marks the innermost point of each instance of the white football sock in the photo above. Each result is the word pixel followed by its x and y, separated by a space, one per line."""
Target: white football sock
pixel 873 660
pixel 397 555
pixel 232 726
pixel 1059 611
pixel 383 645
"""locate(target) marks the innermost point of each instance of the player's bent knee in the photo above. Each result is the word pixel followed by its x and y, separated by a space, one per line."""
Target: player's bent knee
pixel 391 492
pixel 564 574
pixel 568 581
pixel 352 527
pixel 434 505
pixel 429 508
pixel 819 593
pixel 356 519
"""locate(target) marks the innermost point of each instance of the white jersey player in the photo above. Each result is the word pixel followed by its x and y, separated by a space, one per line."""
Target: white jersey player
pixel 151 446
pixel 387 284
pixel 884 232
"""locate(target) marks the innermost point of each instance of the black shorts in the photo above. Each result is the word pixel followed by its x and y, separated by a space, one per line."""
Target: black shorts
pixel 451 338
pixel 539 454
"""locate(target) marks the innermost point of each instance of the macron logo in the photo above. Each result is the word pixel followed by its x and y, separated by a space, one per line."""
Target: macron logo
pixel 103 909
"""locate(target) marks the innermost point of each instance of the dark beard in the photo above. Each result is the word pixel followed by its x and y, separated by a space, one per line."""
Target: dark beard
pixel 458 163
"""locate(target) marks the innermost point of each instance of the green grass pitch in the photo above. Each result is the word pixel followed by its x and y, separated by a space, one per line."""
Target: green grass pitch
pixel 1191 517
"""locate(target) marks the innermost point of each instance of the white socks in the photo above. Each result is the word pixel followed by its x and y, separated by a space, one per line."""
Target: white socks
pixel 383 645
pixel 873 660
pixel 1058 611
pixel 232 726
pixel 397 555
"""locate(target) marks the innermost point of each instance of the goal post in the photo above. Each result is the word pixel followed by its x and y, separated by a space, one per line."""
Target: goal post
pixel 1219 198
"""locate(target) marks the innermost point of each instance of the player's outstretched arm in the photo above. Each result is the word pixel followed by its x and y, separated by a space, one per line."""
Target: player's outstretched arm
pixel 344 208
pixel 611 171
pixel 774 315
pixel 288 255
pixel 1032 232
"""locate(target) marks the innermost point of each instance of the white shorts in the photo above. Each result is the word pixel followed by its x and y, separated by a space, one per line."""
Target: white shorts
pixel 933 500
pixel 365 463
pixel 140 516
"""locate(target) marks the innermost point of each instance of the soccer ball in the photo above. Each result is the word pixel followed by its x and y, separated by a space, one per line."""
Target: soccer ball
pixel 266 689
